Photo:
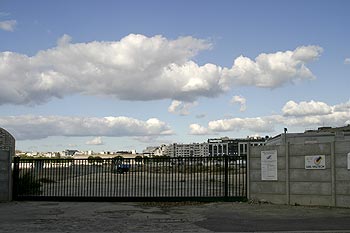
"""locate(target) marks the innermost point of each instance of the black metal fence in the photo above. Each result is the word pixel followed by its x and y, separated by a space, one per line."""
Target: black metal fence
pixel 137 179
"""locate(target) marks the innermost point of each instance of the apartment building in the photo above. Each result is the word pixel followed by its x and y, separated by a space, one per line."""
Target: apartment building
pixel 188 150
pixel 232 147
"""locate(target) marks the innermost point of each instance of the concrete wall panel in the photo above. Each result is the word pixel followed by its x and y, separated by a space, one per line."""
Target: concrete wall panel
pixel 255 163
pixel 310 149
pixel 276 199
pixel 343 187
pixel 255 175
pixel 343 200
pixel 268 187
pixel 311 200
pixel 341 160
pixel 310 175
pixel 311 188
pixel 255 151
pixel 342 174
pixel 342 147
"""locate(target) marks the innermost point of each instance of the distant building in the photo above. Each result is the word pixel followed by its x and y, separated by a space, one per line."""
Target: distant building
pixel 321 135
pixel 152 151
pixel 214 147
pixel 69 152
pixel 232 147
pixel 188 150
pixel 7 141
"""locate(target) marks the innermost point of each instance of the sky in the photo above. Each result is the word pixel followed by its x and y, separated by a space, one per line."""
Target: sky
pixel 124 75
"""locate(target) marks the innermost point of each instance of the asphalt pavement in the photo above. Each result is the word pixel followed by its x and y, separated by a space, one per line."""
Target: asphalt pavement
pixel 169 217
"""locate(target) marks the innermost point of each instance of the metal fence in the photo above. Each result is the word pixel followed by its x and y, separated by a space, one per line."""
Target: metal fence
pixel 137 179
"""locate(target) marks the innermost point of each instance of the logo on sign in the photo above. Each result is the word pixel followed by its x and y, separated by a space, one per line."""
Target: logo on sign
pixel 315 162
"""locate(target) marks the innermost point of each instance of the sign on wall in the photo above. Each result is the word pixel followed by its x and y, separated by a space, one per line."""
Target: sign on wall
pixel 269 165
pixel 315 162
pixel 349 160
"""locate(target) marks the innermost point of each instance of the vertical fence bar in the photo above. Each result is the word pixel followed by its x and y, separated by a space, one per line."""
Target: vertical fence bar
pixel 245 188
pixel 15 185
pixel 226 176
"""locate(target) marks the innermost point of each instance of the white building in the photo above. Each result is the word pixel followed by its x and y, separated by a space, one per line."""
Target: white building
pixel 188 150
pixel 155 151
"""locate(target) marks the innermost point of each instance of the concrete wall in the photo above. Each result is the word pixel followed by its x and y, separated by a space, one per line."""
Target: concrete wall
pixel 5 176
pixel 297 185
pixel 342 175
pixel 273 191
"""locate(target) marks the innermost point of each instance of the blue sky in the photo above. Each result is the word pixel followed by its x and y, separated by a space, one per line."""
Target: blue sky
pixel 122 75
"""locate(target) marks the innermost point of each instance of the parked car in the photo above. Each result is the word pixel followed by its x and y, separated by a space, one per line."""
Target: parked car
pixel 121 166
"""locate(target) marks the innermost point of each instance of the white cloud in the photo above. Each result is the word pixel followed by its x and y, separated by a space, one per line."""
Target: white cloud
pixel 240 100
pixel 8 25
pixel 181 108
pixel 257 124
pixel 140 68
pixel 303 108
pixel 343 107
pixel 295 115
pixel 37 127
pixel 64 40
pixel 196 129
pixel 347 61
pixel 97 141
pixel 274 69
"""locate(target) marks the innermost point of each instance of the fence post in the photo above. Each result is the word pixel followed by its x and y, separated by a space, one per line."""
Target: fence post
pixel 286 147
pixel 226 175
pixel 5 175
pixel 333 174
pixel 15 177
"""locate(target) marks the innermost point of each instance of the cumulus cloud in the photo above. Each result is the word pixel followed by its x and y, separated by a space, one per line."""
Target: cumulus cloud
pixel 138 67
pixel 8 25
pixel 64 40
pixel 347 61
pixel 274 69
pixel 196 129
pixel 38 127
pixel 257 124
pixel 241 101
pixel 342 107
pixel 294 114
pixel 95 141
pixel 303 108
pixel 181 108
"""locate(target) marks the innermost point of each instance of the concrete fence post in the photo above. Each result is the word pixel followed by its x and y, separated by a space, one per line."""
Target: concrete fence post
pixel 248 171
pixel 333 171
pixel 286 148
pixel 5 176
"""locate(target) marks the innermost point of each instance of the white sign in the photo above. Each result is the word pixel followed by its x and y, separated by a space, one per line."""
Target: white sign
pixel 315 162
pixel 269 165
pixel 349 160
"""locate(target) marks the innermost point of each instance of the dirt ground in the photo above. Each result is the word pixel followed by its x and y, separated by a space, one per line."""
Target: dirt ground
pixel 169 217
